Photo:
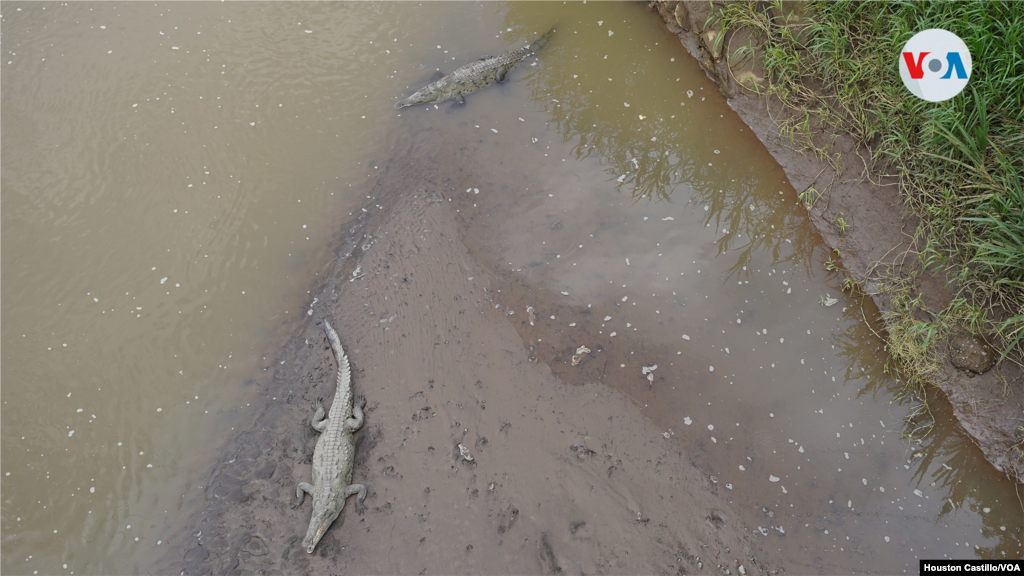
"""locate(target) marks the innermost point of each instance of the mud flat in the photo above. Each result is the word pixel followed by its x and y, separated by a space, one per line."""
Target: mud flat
pixel 563 478
pixel 876 246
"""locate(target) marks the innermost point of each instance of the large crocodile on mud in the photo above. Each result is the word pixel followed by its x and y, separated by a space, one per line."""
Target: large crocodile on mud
pixel 473 77
pixel 335 452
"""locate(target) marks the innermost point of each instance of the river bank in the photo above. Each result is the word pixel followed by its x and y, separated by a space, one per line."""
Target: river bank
pixel 861 214
pixel 563 478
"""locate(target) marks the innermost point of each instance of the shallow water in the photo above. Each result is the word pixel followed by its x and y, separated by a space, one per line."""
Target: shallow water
pixel 172 174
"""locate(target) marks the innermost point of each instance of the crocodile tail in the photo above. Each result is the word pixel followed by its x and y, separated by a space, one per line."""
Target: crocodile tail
pixel 344 371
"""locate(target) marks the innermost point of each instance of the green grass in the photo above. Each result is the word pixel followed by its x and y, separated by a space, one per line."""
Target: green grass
pixel 960 162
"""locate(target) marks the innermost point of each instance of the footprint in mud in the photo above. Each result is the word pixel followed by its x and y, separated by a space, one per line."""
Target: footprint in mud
pixel 256 547
pixel 508 519
pixel 582 452
pixel 580 530
pixel 547 556
pixel 714 518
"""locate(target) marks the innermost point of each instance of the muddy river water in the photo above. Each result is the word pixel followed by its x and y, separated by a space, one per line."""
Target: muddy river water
pixel 177 179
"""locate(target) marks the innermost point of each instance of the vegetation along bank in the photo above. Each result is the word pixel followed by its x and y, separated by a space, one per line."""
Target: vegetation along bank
pixel 921 202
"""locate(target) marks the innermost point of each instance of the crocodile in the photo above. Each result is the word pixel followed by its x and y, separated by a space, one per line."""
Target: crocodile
pixel 334 454
pixel 472 77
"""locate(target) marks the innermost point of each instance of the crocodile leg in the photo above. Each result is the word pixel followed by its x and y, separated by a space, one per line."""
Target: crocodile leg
pixel 356 422
pixel 302 487
pixel 319 421
pixel 361 491
pixel 500 75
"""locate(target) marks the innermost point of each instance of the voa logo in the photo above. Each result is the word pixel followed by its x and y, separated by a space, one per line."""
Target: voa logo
pixel 935 65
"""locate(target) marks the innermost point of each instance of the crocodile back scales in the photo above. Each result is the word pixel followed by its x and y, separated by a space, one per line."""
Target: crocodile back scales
pixel 334 448
pixel 473 76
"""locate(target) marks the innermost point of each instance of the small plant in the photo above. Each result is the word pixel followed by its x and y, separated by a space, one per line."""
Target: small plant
pixel 840 223
pixel 809 197
pixel 932 257
pixel 832 265
pixel 849 285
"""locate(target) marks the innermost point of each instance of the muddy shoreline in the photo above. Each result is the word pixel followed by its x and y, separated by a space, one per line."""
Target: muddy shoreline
pixel 877 244
pixel 569 474
pixel 565 477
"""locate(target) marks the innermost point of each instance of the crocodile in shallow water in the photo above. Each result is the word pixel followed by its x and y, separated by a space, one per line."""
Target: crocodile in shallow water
pixel 472 77
pixel 334 453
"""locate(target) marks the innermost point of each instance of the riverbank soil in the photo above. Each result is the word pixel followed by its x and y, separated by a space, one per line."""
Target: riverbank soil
pixel 860 215
pixel 559 478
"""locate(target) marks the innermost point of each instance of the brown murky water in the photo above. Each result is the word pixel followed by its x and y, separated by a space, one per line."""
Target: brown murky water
pixel 174 173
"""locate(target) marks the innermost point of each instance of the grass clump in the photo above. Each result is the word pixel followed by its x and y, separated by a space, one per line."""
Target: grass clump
pixel 960 163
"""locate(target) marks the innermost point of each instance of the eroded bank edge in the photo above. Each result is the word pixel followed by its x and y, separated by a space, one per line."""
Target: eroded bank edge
pixel 879 250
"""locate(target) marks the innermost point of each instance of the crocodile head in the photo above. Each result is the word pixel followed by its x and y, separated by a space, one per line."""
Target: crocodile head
pixel 430 93
pixel 318 525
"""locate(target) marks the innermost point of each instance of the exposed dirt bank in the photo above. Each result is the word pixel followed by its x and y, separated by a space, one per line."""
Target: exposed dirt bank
pixel 564 478
pixel 877 245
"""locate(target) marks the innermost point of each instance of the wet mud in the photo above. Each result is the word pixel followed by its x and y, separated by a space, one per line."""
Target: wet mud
pixel 877 245
pixel 567 475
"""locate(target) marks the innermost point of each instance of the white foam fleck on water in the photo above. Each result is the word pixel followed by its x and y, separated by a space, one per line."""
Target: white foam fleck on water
pixel 687 421
pixel 624 298
pixel 711 426
pixel 773 478
pixel 738 321
pixel 886 538
pixel 92 490
pixel 771 415
pixel 714 440
pixel 612 334
pixel 800 450
pixel 685 337
pixel 784 491
pixel 849 503
pixel 164 279
pixel 607 318
pixel 847 454
pixel 864 481
pixel 918 493
pixel 79 410
pixel 70 434
pixel 742 468
pixel 782 340
pixel 572 324
pixel 711 368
